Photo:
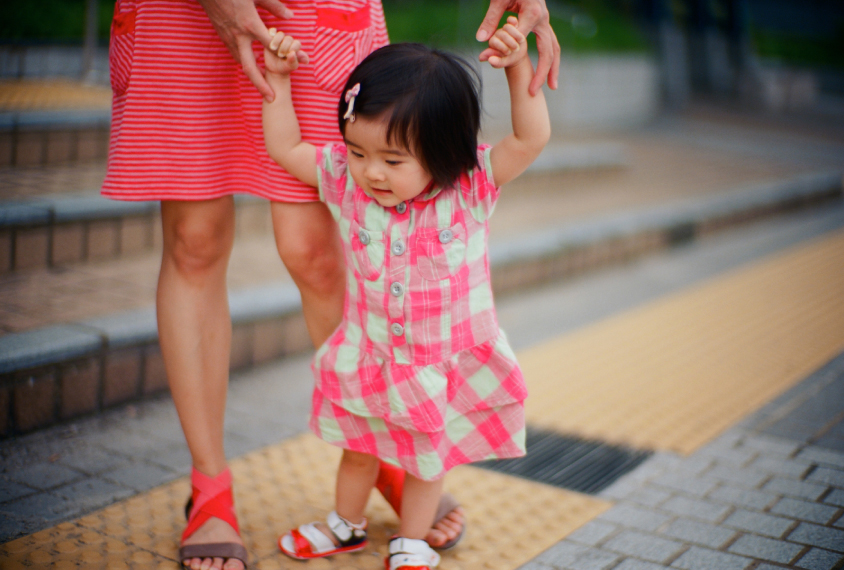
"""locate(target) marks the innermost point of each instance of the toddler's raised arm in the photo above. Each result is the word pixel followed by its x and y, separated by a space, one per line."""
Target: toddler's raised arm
pixel 282 136
pixel 529 114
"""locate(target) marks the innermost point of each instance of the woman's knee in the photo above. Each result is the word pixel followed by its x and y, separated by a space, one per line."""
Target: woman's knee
pixel 197 240
pixel 309 245
pixel 317 265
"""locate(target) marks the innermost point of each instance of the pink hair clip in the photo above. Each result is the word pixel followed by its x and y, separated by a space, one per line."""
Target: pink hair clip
pixel 350 99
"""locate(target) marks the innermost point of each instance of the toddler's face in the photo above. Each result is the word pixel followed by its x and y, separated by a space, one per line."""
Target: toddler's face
pixel 385 171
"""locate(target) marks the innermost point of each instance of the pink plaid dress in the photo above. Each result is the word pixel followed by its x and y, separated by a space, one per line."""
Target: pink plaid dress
pixel 418 374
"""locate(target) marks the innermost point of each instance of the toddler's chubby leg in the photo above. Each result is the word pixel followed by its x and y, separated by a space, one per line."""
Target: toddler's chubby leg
pixel 356 477
pixel 419 506
pixel 418 509
pixel 345 529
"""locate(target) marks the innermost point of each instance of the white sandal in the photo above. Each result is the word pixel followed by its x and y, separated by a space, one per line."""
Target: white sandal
pixel 411 553
pixel 308 541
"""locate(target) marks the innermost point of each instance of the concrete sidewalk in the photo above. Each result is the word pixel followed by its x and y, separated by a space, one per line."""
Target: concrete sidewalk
pixel 768 492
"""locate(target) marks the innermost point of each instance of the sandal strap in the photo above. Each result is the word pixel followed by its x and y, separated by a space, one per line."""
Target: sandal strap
pixel 211 497
pixel 345 531
pixel 411 552
pixel 308 539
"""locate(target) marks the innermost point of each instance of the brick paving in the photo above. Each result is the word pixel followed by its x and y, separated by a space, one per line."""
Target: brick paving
pixel 756 497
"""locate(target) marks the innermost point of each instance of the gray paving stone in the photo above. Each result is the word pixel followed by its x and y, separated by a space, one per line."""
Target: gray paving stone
pixel 9 490
pixel 93 493
pixel 561 554
pixel 593 559
pixel 817 559
pixel 92 460
pixel 645 546
pixel 685 483
pixel 176 458
pixel 120 440
pixel 836 497
pixel 699 533
pixel 821 536
pixel 831 442
pixel 733 456
pixel 765 548
pixel 633 564
pixel 631 516
pixel 747 478
pixel 13 526
pixel 827 476
pixel 140 476
pixel 770 445
pixel 703 559
pixel 791 488
pixel 821 455
pixel 592 533
pixel 812 512
pixel 743 497
pixel 44 506
pixel 648 496
pixel 534 565
pixel 45 475
pixel 759 523
pixel 695 508
pixel 791 468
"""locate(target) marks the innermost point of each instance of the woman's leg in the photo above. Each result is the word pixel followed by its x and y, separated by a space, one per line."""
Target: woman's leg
pixel 195 335
pixel 309 245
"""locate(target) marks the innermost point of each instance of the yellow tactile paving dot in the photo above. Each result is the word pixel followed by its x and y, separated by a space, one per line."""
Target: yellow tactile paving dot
pixel 52 95
pixel 510 520
pixel 675 373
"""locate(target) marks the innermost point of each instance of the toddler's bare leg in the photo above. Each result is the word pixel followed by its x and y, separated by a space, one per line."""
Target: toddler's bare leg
pixel 355 479
pixel 419 506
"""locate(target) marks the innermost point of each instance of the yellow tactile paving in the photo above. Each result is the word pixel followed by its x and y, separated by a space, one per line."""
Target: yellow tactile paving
pixel 52 95
pixel 675 373
pixel 510 520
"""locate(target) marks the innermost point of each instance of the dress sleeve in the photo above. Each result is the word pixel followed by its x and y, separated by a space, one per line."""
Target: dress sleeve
pixel 479 192
pixel 332 175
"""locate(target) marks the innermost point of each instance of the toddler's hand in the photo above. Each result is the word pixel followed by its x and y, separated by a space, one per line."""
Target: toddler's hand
pixel 284 53
pixel 510 44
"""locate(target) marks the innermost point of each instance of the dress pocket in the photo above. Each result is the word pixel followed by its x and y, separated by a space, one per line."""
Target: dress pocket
pixel 367 251
pixel 440 252
pixel 343 39
pixel 121 47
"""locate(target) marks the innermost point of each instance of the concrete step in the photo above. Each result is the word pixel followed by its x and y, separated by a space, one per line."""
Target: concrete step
pixel 55 230
pixel 59 372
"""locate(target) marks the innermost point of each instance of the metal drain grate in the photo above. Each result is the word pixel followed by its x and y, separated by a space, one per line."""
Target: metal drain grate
pixel 569 462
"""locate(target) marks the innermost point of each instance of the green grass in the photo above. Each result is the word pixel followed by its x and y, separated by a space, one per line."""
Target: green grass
pixel 801 50
pixel 452 24
pixel 443 23
pixel 50 21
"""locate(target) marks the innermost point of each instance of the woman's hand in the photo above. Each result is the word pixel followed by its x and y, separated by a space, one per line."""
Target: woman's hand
pixel 509 45
pixel 533 17
pixel 238 24
pixel 283 54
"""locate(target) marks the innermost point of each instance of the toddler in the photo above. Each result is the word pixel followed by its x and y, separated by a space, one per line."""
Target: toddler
pixel 418 374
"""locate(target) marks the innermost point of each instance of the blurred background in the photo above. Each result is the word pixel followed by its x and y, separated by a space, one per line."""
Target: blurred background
pixel 722 110
pixel 778 54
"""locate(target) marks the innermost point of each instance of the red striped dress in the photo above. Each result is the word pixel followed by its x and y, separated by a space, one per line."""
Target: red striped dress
pixel 186 121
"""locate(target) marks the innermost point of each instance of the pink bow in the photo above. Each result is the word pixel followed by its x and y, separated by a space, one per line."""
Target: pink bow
pixel 350 99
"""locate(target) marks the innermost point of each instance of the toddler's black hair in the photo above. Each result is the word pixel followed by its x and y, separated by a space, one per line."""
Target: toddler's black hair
pixel 432 99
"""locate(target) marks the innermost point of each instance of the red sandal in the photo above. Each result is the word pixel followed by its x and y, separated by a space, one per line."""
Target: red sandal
pixel 211 497
pixel 390 483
